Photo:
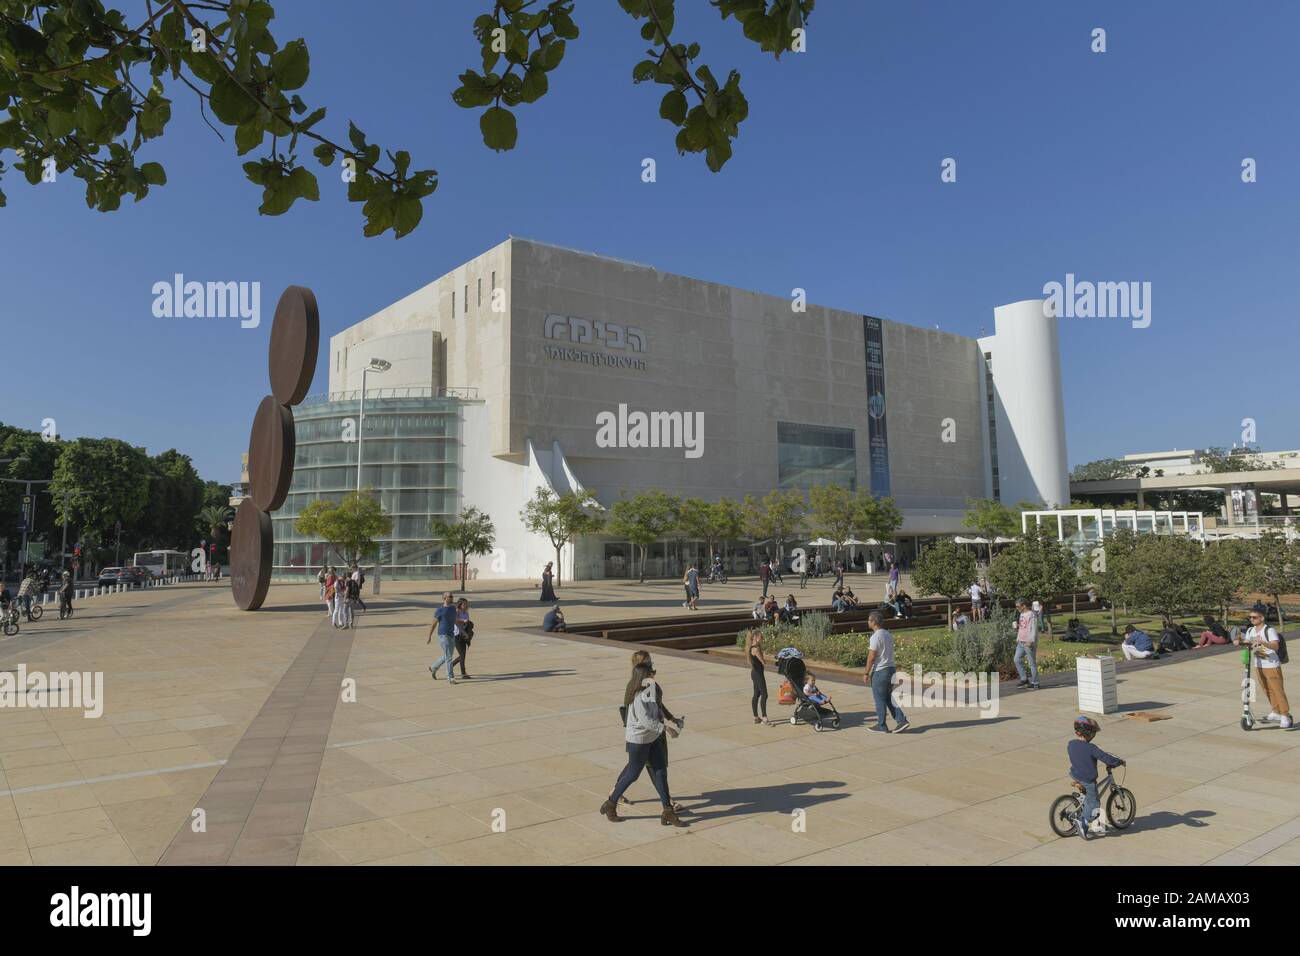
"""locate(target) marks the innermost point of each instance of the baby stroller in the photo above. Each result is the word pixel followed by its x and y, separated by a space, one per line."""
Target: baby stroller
pixel 820 716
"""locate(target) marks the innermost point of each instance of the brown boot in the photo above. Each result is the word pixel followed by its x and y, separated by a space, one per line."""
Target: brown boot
pixel 610 810
pixel 669 818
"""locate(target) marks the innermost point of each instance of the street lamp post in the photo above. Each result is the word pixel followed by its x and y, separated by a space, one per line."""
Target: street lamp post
pixel 376 365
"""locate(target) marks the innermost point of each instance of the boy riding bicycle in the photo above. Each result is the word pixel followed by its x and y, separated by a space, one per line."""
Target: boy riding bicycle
pixel 1084 754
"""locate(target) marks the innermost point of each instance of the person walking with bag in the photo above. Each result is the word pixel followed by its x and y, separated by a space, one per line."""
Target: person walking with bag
pixel 649 725
pixel 464 634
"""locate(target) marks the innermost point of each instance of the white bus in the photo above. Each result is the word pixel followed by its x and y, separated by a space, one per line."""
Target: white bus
pixel 162 564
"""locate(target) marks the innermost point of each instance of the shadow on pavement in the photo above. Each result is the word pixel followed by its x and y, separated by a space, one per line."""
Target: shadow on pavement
pixel 1163 819
pixel 953 724
pixel 741 801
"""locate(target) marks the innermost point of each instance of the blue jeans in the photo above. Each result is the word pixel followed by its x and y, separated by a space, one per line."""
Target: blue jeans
pixel 448 644
pixel 882 688
pixel 1091 802
pixel 638 755
pixel 1029 651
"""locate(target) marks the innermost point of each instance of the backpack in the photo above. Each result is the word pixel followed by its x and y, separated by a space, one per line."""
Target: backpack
pixel 1282 655
pixel 644 721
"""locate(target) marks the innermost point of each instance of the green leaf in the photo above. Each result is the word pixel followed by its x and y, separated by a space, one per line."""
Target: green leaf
pixel 357 137
pixel 534 86
pixel 643 71
pixel 673 107
pixel 407 216
pixel 249 136
pixel 154 174
pixel 552 54
pixel 325 154
pixel 60 124
pixel 304 182
pixel 498 128
pixel 291 65
pixel 230 103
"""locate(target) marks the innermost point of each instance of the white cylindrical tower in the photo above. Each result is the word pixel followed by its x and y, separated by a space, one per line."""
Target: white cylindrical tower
pixel 1029 405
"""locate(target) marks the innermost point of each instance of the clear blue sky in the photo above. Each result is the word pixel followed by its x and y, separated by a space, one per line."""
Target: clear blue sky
pixel 1119 166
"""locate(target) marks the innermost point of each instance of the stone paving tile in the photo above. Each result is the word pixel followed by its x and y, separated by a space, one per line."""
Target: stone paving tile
pixel 417 772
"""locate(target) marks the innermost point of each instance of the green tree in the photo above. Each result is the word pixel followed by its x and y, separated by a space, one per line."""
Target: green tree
pixel 351 526
pixel 104 480
pixel 777 517
pixel 38 458
pixel 1226 568
pixel 1036 566
pixel 175 497
pixel 216 493
pixel 1275 569
pixel 1218 460
pixel 474 533
pixel 87 86
pixel 990 519
pixel 879 518
pixel 727 520
pixel 695 520
pixel 643 519
pixel 1103 469
pixel 833 513
pixel 1163 574
pixel 212 520
pixel 1107 570
pixel 944 568
pixel 561 518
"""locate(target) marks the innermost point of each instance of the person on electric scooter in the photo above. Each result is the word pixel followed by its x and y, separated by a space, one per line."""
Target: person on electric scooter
pixel 1084 754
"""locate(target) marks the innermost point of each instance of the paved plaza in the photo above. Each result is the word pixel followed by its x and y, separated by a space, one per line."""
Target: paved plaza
pixel 250 718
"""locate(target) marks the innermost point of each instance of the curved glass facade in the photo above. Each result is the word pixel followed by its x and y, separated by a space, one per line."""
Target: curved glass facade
pixel 411 457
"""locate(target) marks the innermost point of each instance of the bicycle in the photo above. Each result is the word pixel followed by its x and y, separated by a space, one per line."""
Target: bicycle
pixel 9 617
pixel 65 610
pixel 1119 803
pixel 718 576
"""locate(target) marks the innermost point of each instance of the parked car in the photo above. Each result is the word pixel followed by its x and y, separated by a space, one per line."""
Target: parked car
pixel 109 577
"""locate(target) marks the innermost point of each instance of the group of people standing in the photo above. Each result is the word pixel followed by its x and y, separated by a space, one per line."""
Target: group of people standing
pixel 341 593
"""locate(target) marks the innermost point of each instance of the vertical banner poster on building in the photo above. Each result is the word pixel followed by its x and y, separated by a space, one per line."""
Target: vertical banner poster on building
pixel 877 433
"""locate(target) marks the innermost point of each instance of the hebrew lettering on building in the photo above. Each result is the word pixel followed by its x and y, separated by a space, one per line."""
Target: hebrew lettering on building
pixel 571 328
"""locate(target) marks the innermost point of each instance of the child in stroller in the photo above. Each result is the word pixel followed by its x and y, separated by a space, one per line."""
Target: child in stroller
pixel 807 710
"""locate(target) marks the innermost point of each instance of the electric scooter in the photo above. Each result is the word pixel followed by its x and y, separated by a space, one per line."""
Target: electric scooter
pixel 1248 718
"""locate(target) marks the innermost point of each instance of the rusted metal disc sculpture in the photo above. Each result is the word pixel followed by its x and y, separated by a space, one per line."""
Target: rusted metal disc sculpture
pixel 270 454
pixel 250 555
pixel 295 339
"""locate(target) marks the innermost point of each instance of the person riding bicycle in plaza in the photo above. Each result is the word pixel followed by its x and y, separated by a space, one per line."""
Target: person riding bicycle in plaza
pixel 26 591
pixel 716 573
pixel 1084 754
